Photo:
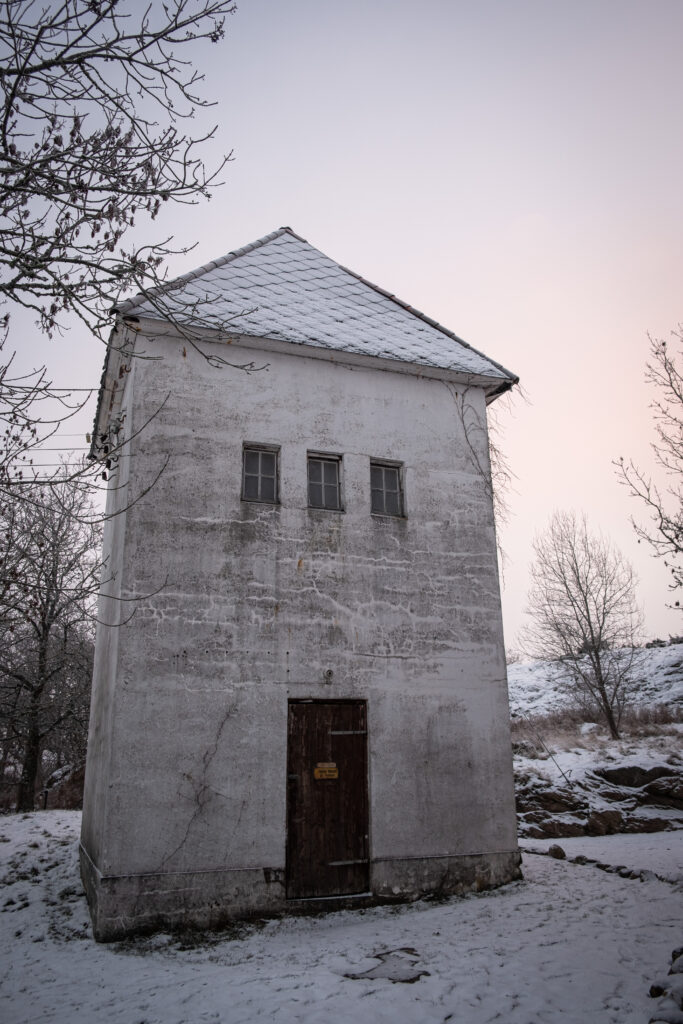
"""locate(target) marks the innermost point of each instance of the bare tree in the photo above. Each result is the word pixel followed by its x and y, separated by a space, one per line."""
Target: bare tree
pixel 665 506
pixel 49 577
pixel 97 131
pixel 583 609
pixel 95 96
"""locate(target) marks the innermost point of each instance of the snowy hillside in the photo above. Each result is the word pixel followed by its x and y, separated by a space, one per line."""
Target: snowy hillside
pixel 571 779
pixel 539 687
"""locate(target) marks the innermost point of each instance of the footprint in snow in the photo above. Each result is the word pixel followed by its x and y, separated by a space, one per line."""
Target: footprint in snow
pixel 395 965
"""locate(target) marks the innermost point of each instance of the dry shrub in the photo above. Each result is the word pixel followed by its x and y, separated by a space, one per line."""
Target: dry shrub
pixel 646 721
pixel 563 727
pixel 525 727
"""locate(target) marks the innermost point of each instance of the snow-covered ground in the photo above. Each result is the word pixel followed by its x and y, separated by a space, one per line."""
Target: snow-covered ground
pixel 658 852
pixel 570 944
pixel 566 758
pixel 571 777
pixel 579 940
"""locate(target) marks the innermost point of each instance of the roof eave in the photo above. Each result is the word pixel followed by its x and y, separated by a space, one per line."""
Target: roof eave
pixel 494 384
pixel 501 389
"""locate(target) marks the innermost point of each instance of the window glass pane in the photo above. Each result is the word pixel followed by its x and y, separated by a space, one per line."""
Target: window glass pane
pixel 251 487
pixel 260 475
pixel 315 495
pixel 331 496
pixel 251 462
pixel 267 488
pixel 390 478
pixel 385 483
pixel 268 463
pixel 323 483
pixel 391 501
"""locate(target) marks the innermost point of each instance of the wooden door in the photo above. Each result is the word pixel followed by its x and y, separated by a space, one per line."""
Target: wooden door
pixel 327 799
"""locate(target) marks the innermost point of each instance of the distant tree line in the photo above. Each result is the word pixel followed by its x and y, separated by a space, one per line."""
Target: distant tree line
pixel 49 578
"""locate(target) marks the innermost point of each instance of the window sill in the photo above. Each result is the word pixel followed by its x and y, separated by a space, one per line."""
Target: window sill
pixel 326 511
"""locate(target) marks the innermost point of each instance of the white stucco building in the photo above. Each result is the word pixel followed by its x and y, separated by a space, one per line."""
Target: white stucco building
pixel 310 697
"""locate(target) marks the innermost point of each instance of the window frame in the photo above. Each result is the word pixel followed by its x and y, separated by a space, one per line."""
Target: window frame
pixel 383 464
pixel 269 449
pixel 325 457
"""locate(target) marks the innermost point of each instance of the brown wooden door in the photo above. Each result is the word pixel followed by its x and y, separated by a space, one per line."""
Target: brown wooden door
pixel 327 799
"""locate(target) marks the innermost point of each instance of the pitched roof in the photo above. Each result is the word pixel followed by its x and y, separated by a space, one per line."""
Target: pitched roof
pixel 280 287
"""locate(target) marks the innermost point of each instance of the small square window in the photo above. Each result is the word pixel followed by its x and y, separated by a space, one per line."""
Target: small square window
pixel 386 491
pixel 260 474
pixel 324 482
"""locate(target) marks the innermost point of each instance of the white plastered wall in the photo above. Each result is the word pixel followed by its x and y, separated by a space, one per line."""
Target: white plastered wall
pixel 259 602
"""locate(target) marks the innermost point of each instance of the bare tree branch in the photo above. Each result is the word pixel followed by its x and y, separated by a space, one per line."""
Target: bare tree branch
pixel 496 473
pixel 95 97
pixel 664 505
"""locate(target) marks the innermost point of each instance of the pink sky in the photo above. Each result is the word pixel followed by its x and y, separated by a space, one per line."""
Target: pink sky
pixel 512 169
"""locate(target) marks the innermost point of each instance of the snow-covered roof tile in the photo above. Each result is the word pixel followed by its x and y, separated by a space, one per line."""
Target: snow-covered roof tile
pixel 281 287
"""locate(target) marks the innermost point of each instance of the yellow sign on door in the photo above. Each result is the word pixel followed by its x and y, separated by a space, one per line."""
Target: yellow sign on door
pixel 326 770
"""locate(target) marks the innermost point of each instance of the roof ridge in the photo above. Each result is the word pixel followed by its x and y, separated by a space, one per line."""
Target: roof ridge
pixel 235 254
pixel 192 275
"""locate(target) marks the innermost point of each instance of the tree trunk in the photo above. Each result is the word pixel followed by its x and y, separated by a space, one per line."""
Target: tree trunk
pixel 29 771
pixel 609 718
pixel 607 708
pixel 31 763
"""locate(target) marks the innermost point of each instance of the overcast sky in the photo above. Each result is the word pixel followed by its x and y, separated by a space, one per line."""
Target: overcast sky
pixel 510 167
